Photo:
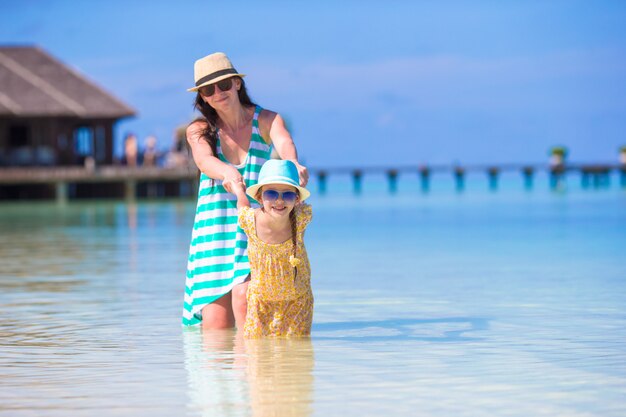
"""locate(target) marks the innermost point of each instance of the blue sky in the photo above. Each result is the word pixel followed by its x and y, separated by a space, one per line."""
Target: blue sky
pixel 364 83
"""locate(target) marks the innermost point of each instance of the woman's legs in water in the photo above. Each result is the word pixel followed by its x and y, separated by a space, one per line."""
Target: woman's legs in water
pixel 218 314
pixel 227 311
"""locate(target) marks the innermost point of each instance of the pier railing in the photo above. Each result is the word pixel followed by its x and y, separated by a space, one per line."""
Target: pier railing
pixel 591 174
pixel 101 174
pixel 63 177
pixel 596 175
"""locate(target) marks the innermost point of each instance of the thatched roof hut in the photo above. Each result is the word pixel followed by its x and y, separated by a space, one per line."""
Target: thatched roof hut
pixel 50 114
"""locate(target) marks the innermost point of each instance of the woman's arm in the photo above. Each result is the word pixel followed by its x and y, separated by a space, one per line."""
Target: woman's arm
pixel 273 125
pixel 208 163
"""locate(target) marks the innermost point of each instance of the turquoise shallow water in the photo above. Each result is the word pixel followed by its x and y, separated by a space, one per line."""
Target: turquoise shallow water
pixel 508 303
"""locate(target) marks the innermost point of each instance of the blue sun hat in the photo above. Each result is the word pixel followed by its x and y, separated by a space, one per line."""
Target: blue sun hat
pixel 278 171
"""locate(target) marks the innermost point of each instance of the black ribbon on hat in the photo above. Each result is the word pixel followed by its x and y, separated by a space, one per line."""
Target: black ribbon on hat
pixel 216 74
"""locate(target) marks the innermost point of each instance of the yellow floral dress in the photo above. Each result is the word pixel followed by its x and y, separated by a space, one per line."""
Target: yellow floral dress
pixel 280 300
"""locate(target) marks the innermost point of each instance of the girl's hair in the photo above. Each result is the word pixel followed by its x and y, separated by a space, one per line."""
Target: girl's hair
pixel 209 134
pixel 294 226
pixel 294 233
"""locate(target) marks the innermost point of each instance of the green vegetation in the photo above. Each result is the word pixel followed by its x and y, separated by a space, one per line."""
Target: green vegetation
pixel 561 151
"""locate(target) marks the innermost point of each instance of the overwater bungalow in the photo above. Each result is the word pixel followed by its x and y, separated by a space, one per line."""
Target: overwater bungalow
pixel 50 115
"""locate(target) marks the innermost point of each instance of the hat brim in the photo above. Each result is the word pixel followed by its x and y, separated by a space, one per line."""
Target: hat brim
pixel 254 189
pixel 215 80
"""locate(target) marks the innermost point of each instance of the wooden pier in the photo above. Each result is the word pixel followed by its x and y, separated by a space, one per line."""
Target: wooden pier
pixel 114 181
pixel 596 175
pixel 65 183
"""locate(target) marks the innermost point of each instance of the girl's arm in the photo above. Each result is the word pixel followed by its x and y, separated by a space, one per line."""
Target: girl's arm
pixel 208 163
pixel 242 198
pixel 273 125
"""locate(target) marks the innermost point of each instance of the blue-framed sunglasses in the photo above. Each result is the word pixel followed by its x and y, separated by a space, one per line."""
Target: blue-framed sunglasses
pixel 286 196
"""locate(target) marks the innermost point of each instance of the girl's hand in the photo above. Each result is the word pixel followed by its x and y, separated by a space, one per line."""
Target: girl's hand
pixel 232 179
pixel 303 172
pixel 240 191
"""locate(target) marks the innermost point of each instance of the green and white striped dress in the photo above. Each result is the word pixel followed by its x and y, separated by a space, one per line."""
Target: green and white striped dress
pixel 218 255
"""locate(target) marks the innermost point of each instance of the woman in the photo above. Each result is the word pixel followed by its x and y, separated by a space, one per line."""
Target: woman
pixel 229 147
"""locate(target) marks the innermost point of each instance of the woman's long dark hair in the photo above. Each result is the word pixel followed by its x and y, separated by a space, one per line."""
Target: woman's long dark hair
pixel 209 134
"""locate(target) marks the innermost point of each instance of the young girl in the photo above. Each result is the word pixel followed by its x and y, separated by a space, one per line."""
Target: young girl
pixel 280 300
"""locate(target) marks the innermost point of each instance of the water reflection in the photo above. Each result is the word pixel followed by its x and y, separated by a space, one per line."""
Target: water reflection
pixel 131 213
pixel 228 375
pixel 216 373
pixel 280 375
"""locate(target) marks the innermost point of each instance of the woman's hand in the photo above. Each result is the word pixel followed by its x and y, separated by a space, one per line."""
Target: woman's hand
pixel 231 179
pixel 303 173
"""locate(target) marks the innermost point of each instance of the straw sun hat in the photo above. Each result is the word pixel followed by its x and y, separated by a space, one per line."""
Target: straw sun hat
pixel 211 69
pixel 278 171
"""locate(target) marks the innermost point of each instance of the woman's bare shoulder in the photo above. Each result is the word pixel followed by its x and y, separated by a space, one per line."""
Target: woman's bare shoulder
pixel 266 118
pixel 267 114
pixel 270 121
pixel 196 127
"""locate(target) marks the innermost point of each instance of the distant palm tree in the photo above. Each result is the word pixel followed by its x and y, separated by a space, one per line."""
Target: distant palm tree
pixel 558 155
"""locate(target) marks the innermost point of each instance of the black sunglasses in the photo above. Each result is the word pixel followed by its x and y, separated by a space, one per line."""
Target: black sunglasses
pixel 223 85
